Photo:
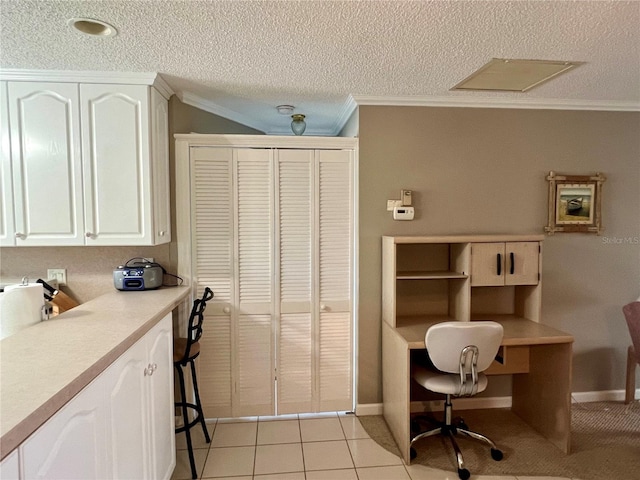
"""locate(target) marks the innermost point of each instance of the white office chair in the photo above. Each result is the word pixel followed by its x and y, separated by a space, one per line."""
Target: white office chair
pixel 459 351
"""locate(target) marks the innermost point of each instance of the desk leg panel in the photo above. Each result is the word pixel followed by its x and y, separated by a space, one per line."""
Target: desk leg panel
pixel 542 397
pixel 395 387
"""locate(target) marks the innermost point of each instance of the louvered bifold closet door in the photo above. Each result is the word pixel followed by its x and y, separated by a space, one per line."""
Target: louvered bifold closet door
pixel 335 329
pixel 254 364
pixel 213 207
pixel 295 332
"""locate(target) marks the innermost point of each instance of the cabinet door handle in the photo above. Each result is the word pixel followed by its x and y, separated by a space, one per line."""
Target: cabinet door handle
pixel 226 310
pixel 89 235
pixel 20 235
pixel 323 307
pixel 512 269
pixel 499 263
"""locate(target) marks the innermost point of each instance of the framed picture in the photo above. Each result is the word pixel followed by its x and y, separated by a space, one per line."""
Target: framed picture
pixel 574 203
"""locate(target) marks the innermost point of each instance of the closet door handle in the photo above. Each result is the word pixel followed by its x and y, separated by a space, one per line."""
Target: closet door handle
pixel 512 259
pixel 499 263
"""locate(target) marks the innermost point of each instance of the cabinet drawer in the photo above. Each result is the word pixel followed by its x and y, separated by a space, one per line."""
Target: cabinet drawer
pixel 513 359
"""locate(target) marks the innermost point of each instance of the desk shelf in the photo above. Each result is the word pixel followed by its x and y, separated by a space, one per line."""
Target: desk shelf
pixel 458 277
pixel 427 275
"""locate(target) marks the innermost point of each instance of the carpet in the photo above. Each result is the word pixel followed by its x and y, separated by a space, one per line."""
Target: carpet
pixel 605 439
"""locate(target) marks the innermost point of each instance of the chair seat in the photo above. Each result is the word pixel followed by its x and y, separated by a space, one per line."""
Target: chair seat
pixel 445 383
pixel 179 347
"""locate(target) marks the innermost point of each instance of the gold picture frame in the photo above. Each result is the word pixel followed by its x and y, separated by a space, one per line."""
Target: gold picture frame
pixel 575 203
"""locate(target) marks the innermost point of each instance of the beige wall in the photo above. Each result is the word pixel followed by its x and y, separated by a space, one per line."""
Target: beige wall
pixel 483 171
pixel 89 269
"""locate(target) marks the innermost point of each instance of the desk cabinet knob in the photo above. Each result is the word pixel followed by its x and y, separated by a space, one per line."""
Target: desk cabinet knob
pixel 226 310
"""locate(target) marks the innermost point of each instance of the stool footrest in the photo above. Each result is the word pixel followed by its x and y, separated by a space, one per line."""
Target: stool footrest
pixel 193 422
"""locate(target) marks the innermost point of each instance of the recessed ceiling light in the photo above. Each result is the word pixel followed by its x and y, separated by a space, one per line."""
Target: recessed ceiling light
pixel 90 26
pixel 285 109
pixel 514 75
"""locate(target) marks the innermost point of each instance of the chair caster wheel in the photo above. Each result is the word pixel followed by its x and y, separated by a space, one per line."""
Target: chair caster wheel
pixel 496 454
pixel 464 474
pixel 412 453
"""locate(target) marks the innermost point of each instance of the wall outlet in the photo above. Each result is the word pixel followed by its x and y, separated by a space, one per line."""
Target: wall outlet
pixel 60 274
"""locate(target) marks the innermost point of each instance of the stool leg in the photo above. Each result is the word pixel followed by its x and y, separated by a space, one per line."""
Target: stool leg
pixel 185 419
pixel 198 404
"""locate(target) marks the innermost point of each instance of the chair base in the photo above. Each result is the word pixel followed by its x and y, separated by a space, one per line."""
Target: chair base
pixel 185 407
pixel 449 429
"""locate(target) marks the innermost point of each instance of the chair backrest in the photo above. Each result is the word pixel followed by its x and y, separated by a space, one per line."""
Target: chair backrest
pixel 445 342
pixel 196 318
pixel 632 314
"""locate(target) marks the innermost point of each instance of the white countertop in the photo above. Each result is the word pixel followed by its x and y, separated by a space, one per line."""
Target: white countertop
pixel 42 367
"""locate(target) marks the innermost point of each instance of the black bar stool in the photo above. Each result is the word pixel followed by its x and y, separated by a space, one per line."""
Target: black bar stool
pixel 185 351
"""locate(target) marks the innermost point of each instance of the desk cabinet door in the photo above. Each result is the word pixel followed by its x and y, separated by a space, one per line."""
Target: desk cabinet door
pixel 511 263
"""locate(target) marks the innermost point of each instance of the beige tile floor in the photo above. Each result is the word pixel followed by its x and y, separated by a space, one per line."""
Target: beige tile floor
pixel 330 446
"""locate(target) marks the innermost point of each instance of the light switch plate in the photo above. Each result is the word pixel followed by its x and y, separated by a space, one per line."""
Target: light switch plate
pixel 391 204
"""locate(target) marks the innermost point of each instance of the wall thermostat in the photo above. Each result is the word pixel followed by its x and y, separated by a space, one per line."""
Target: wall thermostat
pixel 403 213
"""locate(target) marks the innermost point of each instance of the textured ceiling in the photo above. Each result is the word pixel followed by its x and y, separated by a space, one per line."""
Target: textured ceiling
pixel 242 58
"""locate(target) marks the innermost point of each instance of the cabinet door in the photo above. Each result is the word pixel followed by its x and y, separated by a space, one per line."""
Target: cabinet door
pixel 334 373
pixel 9 468
pixel 7 230
pixel 522 262
pixel 161 407
pixel 253 364
pixel 296 325
pixel 46 159
pixel 72 444
pixel 127 403
pixel 487 264
pixel 117 175
pixel 213 218
pixel 160 168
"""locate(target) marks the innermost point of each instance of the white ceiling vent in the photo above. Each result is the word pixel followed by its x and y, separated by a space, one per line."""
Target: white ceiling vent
pixel 514 75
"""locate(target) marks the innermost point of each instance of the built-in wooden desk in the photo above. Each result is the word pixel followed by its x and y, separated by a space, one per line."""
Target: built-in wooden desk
pixel 538 357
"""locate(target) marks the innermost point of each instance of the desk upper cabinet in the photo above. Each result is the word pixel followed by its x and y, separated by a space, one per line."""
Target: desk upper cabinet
pixel 460 278
pixel 505 263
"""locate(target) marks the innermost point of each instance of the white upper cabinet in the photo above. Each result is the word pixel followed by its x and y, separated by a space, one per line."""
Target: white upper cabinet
pixel 46 160
pixel 90 164
pixel 7 229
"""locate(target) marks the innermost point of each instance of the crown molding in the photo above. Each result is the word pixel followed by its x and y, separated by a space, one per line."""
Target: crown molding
pixel 541 104
pixel 163 87
pixel 348 108
pixel 71 76
pixel 266 141
pixel 211 107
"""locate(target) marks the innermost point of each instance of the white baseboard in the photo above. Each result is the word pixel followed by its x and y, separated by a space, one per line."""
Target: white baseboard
pixel 601 396
pixel 363 409
pixel 474 403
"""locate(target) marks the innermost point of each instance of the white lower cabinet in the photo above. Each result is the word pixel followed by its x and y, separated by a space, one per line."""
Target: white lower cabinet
pixel 139 389
pixel 72 444
pixel 120 426
pixel 9 468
